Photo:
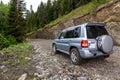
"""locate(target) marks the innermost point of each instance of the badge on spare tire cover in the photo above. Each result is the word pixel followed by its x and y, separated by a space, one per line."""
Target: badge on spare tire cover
pixel 105 43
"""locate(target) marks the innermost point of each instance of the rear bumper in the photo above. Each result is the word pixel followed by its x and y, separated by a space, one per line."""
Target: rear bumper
pixel 85 53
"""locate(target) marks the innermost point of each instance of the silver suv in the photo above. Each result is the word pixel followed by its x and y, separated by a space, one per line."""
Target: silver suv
pixel 84 41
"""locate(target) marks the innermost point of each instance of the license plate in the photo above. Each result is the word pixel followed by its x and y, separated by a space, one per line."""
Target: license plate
pixel 92 45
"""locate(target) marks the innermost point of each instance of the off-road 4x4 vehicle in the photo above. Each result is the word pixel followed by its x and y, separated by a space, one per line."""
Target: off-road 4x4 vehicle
pixel 84 41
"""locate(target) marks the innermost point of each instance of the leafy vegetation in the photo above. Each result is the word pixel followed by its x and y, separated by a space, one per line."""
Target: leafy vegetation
pixel 3 15
pixel 18 58
pixel 6 41
pixel 60 10
pixel 79 11
pixel 50 11
pixel 16 21
pixel 18 52
pixel 12 23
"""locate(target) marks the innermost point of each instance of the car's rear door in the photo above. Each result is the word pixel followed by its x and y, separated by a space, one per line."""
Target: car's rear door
pixel 94 31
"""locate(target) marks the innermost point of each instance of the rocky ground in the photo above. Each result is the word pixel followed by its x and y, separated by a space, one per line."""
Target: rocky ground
pixel 59 66
pixel 43 65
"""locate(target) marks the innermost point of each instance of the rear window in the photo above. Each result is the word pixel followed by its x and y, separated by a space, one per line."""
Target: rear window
pixel 95 31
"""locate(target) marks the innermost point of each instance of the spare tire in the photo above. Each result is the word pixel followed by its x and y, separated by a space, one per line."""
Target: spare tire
pixel 105 43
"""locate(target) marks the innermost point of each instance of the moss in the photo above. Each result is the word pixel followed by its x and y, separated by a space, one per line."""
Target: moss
pixel 6 62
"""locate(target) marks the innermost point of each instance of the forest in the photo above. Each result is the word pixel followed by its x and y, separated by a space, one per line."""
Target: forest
pixel 26 38
pixel 16 21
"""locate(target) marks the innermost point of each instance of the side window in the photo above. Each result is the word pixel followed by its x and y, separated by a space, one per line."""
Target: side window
pixel 62 35
pixel 73 33
pixel 77 32
pixel 70 34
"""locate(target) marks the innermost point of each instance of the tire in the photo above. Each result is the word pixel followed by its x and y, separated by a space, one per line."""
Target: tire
pixel 105 44
pixel 75 56
pixel 106 56
pixel 54 50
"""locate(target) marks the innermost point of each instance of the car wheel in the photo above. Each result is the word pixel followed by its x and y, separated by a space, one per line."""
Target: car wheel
pixel 75 56
pixel 106 56
pixel 105 43
pixel 54 49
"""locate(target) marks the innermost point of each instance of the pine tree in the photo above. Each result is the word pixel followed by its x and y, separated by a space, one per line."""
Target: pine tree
pixel 3 17
pixel 55 10
pixel 31 20
pixel 65 6
pixel 42 15
pixel 49 11
pixel 16 20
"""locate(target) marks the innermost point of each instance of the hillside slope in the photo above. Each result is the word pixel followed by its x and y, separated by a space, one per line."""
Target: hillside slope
pixel 109 14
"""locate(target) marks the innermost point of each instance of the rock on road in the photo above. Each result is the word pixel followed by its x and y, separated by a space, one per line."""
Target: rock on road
pixel 59 66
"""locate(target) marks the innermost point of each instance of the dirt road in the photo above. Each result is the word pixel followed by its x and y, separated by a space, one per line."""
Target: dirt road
pixel 59 66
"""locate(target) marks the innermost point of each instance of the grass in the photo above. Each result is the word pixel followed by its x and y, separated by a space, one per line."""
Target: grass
pixel 88 8
pixel 19 61
pixel 19 52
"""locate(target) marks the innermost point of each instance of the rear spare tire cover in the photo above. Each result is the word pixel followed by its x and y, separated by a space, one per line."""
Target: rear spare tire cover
pixel 105 43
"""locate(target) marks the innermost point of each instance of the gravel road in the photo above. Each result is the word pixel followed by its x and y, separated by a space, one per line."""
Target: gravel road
pixel 59 66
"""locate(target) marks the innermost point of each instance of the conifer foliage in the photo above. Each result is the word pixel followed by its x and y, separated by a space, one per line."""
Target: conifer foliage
pixel 16 21
pixel 3 17
pixel 52 10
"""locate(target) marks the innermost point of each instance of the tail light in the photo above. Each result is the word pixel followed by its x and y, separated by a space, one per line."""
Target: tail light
pixel 84 44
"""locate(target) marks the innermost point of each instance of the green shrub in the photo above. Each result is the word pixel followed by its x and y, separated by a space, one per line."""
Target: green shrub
pixel 99 2
pixel 11 40
pixel 5 42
